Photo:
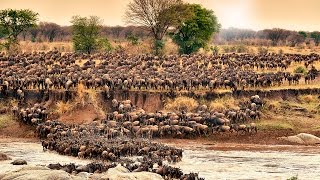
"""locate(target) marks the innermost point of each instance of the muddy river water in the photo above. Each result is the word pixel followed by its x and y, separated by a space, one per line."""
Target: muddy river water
pixel 209 163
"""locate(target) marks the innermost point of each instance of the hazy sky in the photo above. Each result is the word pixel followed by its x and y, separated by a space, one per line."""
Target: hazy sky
pixel 253 14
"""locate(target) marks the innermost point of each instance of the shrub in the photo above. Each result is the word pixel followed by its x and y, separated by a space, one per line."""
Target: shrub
pixel 215 50
pixel 105 45
pixel 226 49
pixel 63 107
pixel 300 69
pixel 262 50
pixel 134 40
pixel 280 52
pixel 242 49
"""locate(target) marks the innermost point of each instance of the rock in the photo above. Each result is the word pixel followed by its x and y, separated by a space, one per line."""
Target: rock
pixel 84 175
pixel 118 169
pixel 39 173
pixel 4 157
pixel 119 173
pixel 309 138
pixel 302 138
pixel 292 139
pixel 29 172
pixel 19 162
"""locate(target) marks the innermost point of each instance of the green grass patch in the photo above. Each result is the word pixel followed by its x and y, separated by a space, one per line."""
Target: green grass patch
pixel 264 125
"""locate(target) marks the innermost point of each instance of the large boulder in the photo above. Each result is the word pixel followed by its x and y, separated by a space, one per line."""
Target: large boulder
pixel 38 173
pixel 4 157
pixel 302 138
pixel 120 172
pixel 43 173
pixel 19 162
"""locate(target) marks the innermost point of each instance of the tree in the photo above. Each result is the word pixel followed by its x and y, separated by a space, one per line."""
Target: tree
pixel 276 35
pixel 85 33
pixel 14 22
pixel 195 33
pixel 295 38
pixel 49 30
pixel 1 32
pixel 34 31
pixel 157 16
pixel 303 33
pixel 315 35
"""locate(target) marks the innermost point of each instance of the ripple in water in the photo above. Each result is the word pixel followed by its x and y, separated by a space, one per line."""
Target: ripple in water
pixel 250 165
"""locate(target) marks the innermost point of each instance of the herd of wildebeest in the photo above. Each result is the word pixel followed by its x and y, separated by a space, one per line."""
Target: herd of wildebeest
pixel 128 130
pixel 108 72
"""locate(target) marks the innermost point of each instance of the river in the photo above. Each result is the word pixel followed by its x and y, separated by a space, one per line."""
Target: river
pixel 209 163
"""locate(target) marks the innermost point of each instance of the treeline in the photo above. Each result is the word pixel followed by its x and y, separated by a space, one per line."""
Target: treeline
pixel 50 32
pixel 267 37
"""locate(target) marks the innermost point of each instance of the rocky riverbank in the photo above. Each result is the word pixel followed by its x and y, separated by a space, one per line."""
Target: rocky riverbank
pixel 32 172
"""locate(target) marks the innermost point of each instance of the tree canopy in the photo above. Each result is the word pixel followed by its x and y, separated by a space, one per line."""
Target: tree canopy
pixel 85 33
pixel 196 31
pixel 49 30
pixel 316 36
pixel 156 15
pixel 13 22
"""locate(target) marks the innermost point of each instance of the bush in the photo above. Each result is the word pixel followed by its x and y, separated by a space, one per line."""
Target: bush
pixel 226 49
pixel 300 69
pixel 242 49
pixel 158 46
pixel 215 50
pixel 63 107
pixel 262 50
pixel 105 45
pixel 280 52
pixel 134 40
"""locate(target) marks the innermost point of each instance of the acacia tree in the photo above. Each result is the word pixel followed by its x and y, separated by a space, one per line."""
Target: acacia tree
pixel 195 32
pixel 14 22
pixel 85 33
pixel 315 35
pixel 157 16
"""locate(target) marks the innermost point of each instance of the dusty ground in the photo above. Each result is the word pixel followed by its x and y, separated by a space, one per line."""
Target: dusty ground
pixel 15 130
pixel 83 115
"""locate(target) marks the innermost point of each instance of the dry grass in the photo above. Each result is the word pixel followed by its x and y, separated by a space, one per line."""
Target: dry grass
pixel 170 48
pixel 145 46
pixel 27 46
pixel 63 107
pixel 300 113
pixel 274 125
pixel 5 120
pixel 276 49
pixel 308 99
pixel 182 103
pixel 221 104
pixel 83 98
